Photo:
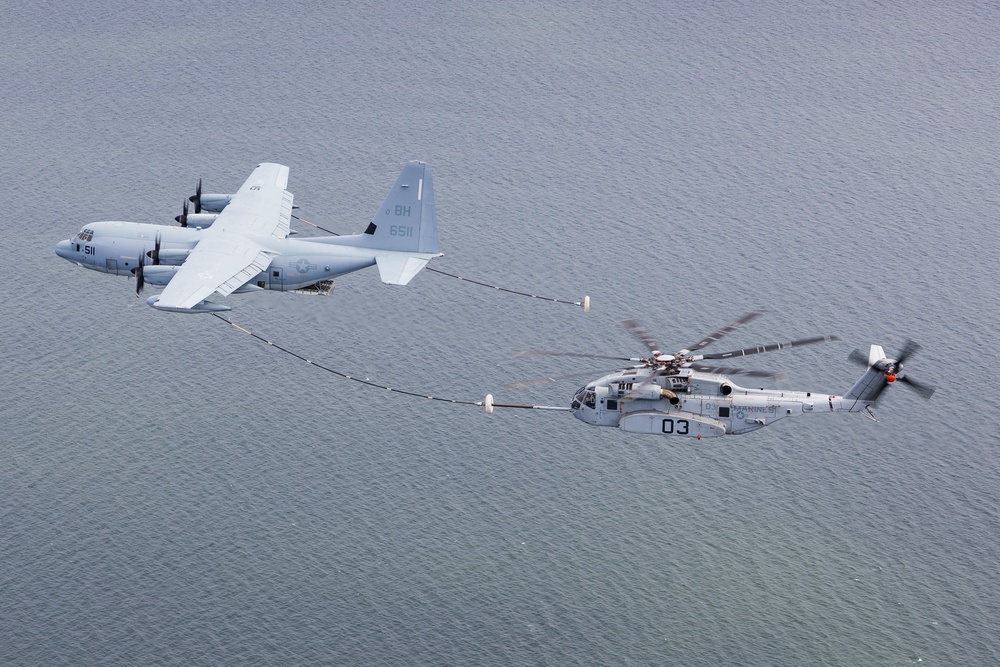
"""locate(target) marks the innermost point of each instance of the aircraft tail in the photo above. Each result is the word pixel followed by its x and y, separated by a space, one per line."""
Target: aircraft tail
pixel 406 219
pixel 871 385
pixel 403 233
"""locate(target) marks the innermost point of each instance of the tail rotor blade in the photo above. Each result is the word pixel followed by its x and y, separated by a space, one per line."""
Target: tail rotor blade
pixel 924 390
pixel 909 348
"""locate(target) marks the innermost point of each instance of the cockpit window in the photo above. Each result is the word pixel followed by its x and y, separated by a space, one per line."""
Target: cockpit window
pixel 85 235
pixel 590 399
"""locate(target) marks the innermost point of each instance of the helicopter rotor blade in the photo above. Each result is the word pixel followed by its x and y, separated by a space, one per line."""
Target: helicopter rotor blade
pixel 551 378
pixel 858 357
pixel 641 333
pixel 771 347
pixel 586 355
pixel 726 330
pixel 722 370
pixel 924 390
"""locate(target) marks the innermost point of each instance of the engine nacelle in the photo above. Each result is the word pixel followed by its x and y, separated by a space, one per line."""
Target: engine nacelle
pixel 652 392
pixel 160 274
pixel 201 220
pixel 214 203
pixel 175 256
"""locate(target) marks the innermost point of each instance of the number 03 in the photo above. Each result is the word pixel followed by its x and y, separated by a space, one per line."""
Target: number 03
pixel 682 427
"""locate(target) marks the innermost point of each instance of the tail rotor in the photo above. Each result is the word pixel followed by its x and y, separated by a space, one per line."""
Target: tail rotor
pixel 892 369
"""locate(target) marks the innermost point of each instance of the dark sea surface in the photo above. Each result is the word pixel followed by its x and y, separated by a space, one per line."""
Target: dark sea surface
pixel 174 492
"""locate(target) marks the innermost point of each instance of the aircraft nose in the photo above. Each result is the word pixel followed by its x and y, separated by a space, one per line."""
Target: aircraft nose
pixel 64 249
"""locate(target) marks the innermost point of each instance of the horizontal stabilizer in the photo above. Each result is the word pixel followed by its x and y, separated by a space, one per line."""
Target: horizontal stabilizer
pixel 399 268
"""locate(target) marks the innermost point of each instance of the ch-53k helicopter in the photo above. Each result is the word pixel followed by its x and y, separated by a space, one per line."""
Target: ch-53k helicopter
pixel 675 394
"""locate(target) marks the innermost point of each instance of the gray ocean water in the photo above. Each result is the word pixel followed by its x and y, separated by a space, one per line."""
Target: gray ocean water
pixel 173 492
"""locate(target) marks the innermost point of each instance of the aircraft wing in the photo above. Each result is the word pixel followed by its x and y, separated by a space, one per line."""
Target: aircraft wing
pixel 227 255
pixel 261 207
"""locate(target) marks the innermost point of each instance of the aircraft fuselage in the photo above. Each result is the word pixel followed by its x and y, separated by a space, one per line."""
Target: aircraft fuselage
pixel 695 404
pixel 115 247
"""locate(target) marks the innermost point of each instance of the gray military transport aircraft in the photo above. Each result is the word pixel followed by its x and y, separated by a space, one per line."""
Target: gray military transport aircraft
pixel 242 245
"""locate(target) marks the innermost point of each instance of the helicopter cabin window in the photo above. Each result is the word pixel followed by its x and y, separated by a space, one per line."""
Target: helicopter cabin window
pixel 612 404
pixel 724 411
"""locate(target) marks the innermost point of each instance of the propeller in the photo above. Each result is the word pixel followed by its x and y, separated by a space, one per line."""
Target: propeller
pixel 154 255
pixel 140 280
pixel 196 198
pixel 183 217
pixel 892 368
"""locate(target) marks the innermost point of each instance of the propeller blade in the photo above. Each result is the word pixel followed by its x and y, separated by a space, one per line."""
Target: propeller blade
pixel 641 333
pixel 140 280
pixel 155 255
pixel 721 370
pixel 196 198
pixel 771 347
pixel 726 330
pixel 586 355
pixel 909 348
pixel 858 357
pixel 924 390
pixel 183 217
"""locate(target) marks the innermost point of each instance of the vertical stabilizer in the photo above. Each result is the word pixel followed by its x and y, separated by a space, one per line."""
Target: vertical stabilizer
pixel 406 219
pixel 871 385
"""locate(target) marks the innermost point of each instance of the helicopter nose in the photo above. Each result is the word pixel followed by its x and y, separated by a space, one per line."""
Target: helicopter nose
pixel 65 249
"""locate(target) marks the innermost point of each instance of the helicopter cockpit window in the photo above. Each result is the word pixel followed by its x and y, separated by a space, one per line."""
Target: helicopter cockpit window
pixel 85 235
pixel 590 399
